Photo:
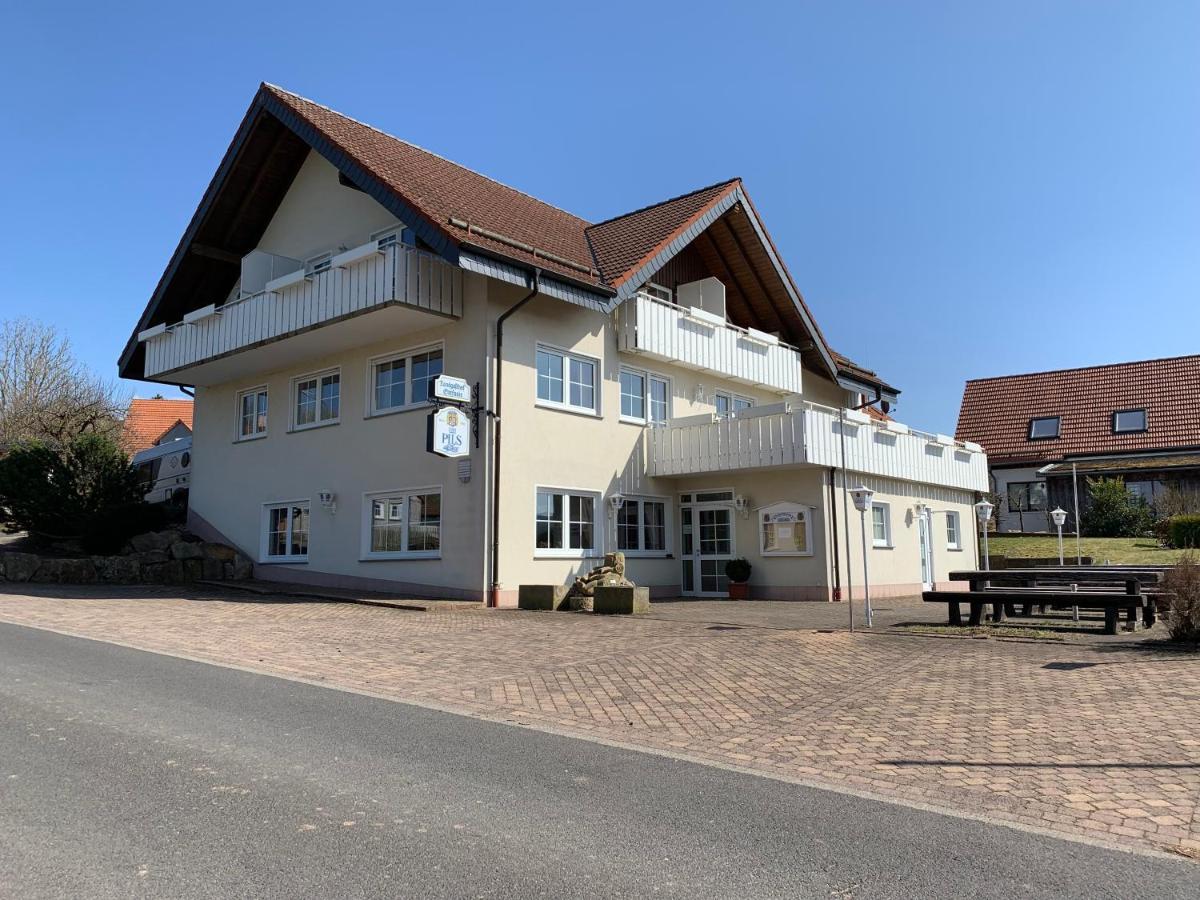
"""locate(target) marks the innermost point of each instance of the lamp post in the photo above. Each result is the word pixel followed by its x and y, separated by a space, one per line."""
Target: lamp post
pixel 1059 516
pixel 862 502
pixel 983 510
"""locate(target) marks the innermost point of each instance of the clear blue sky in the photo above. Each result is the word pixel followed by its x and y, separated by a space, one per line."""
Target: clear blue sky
pixel 960 189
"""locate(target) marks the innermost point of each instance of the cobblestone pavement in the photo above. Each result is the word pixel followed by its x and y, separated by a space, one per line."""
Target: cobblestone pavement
pixel 1097 739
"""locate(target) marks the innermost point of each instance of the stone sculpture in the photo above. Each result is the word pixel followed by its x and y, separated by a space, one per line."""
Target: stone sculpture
pixel 610 574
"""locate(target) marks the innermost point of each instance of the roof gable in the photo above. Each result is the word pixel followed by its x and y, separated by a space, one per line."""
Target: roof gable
pixel 147 421
pixel 996 412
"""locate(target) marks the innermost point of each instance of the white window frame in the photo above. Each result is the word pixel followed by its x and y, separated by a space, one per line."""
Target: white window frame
pixel 640 550
pixel 953 518
pixel 803 512
pixel 255 392
pixel 565 373
pixel 407 355
pixel 647 377
pixel 295 399
pixel 264 533
pixel 887 525
pixel 321 262
pixel 370 498
pixel 598 522
pixel 733 400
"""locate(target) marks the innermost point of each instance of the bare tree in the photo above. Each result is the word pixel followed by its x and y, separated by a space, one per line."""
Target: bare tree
pixel 46 394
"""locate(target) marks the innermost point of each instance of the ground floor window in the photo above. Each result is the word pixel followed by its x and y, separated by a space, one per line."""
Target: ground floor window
pixel 565 522
pixel 642 525
pixel 1027 496
pixel 953 534
pixel 286 536
pixel 404 524
pixel 881 525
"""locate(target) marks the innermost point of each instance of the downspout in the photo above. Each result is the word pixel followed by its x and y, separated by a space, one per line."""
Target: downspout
pixel 187 392
pixel 837 565
pixel 494 595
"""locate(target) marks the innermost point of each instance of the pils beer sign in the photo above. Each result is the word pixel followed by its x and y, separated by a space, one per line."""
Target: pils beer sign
pixel 449 433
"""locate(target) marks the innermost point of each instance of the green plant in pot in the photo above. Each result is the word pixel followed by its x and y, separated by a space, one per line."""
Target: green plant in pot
pixel 738 573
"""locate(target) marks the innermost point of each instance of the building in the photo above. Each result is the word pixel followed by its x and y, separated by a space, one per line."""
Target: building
pixel 153 421
pixel 158 436
pixel 1046 433
pixel 653 383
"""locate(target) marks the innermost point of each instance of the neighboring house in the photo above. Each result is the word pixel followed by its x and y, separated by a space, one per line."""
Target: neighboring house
pixel 158 434
pixel 152 421
pixel 1046 433
pixel 653 384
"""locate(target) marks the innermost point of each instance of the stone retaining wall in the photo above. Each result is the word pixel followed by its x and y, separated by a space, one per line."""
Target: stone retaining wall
pixel 159 557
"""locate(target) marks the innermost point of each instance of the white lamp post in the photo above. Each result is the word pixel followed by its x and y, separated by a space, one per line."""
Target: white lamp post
pixel 1060 518
pixel 862 502
pixel 983 510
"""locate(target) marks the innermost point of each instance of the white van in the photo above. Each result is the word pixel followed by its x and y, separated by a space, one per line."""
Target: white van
pixel 165 469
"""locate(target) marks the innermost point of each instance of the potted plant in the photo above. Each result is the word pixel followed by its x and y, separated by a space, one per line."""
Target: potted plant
pixel 738 573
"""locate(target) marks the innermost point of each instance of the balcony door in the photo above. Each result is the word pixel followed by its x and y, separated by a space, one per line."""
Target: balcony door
pixel 706 542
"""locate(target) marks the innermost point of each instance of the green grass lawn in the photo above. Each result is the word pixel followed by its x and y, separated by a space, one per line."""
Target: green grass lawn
pixel 1139 551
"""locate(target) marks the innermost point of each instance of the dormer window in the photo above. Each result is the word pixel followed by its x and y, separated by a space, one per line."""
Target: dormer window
pixel 1044 428
pixel 1127 421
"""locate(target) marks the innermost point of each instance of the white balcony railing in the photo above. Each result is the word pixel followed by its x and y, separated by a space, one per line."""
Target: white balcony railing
pixel 797 432
pixel 698 340
pixel 359 281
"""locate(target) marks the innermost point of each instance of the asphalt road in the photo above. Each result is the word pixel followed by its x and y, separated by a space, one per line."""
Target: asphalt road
pixel 125 773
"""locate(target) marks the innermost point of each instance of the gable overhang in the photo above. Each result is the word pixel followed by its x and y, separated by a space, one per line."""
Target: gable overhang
pixel 266 152
pixel 732 202
pixel 485 262
pixel 876 390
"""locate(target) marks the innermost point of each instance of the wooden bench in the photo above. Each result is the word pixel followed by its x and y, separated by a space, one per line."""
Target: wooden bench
pixel 1109 589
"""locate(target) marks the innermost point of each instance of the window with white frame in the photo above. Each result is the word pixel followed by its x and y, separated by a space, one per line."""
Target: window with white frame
pixel 881 525
pixel 565 522
pixel 645 397
pixel 317 399
pixel 657 291
pixel 403 524
pixel 785 529
pixel 566 380
pixel 642 525
pixel 401 380
pixel 953 532
pixel 252 414
pixel 730 403
pixel 285 536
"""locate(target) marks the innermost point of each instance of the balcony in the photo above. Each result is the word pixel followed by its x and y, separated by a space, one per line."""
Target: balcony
pixel 695 339
pixel 796 432
pixel 362 280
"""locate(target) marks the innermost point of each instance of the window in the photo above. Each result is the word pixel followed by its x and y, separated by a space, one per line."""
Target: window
pixel 252 414
pixel 730 403
pixel 642 526
pixel 881 525
pixel 566 380
pixel 645 398
pixel 321 263
pixel 1026 496
pixel 286 532
pixel 1044 428
pixel 953 535
pixel 401 380
pixel 1129 420
pixel 784 530
pixel 657 291
pixel 565 523
pixel 404 524
pixel 317 399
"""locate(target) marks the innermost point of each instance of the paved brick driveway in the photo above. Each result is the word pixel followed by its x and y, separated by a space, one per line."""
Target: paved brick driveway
pixel 1099 738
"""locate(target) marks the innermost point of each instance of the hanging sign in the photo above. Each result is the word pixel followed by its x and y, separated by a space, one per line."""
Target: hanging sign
pixel 450 389
pixel 449 433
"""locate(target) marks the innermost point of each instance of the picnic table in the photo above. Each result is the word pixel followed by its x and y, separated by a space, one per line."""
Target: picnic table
pixel 1107 588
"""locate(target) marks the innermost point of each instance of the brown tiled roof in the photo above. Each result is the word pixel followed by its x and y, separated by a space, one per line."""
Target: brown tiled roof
pixel 623 244
pixel 442 190
pixel 996 412
pixel 147 420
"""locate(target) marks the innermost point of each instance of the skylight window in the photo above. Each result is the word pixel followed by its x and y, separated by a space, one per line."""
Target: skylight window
pixel 1043 428
pixel 1129 420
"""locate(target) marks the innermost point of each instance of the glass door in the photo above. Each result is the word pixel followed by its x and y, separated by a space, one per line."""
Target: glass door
pixel 926 551
pixel 715 527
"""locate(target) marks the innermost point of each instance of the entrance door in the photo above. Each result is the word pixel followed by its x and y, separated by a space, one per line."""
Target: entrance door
pixel 926 552
pixel 706 545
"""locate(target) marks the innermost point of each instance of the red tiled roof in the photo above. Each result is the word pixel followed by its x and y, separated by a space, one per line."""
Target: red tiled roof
pixel 624 244
pixel 996 412
pixel 149 419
